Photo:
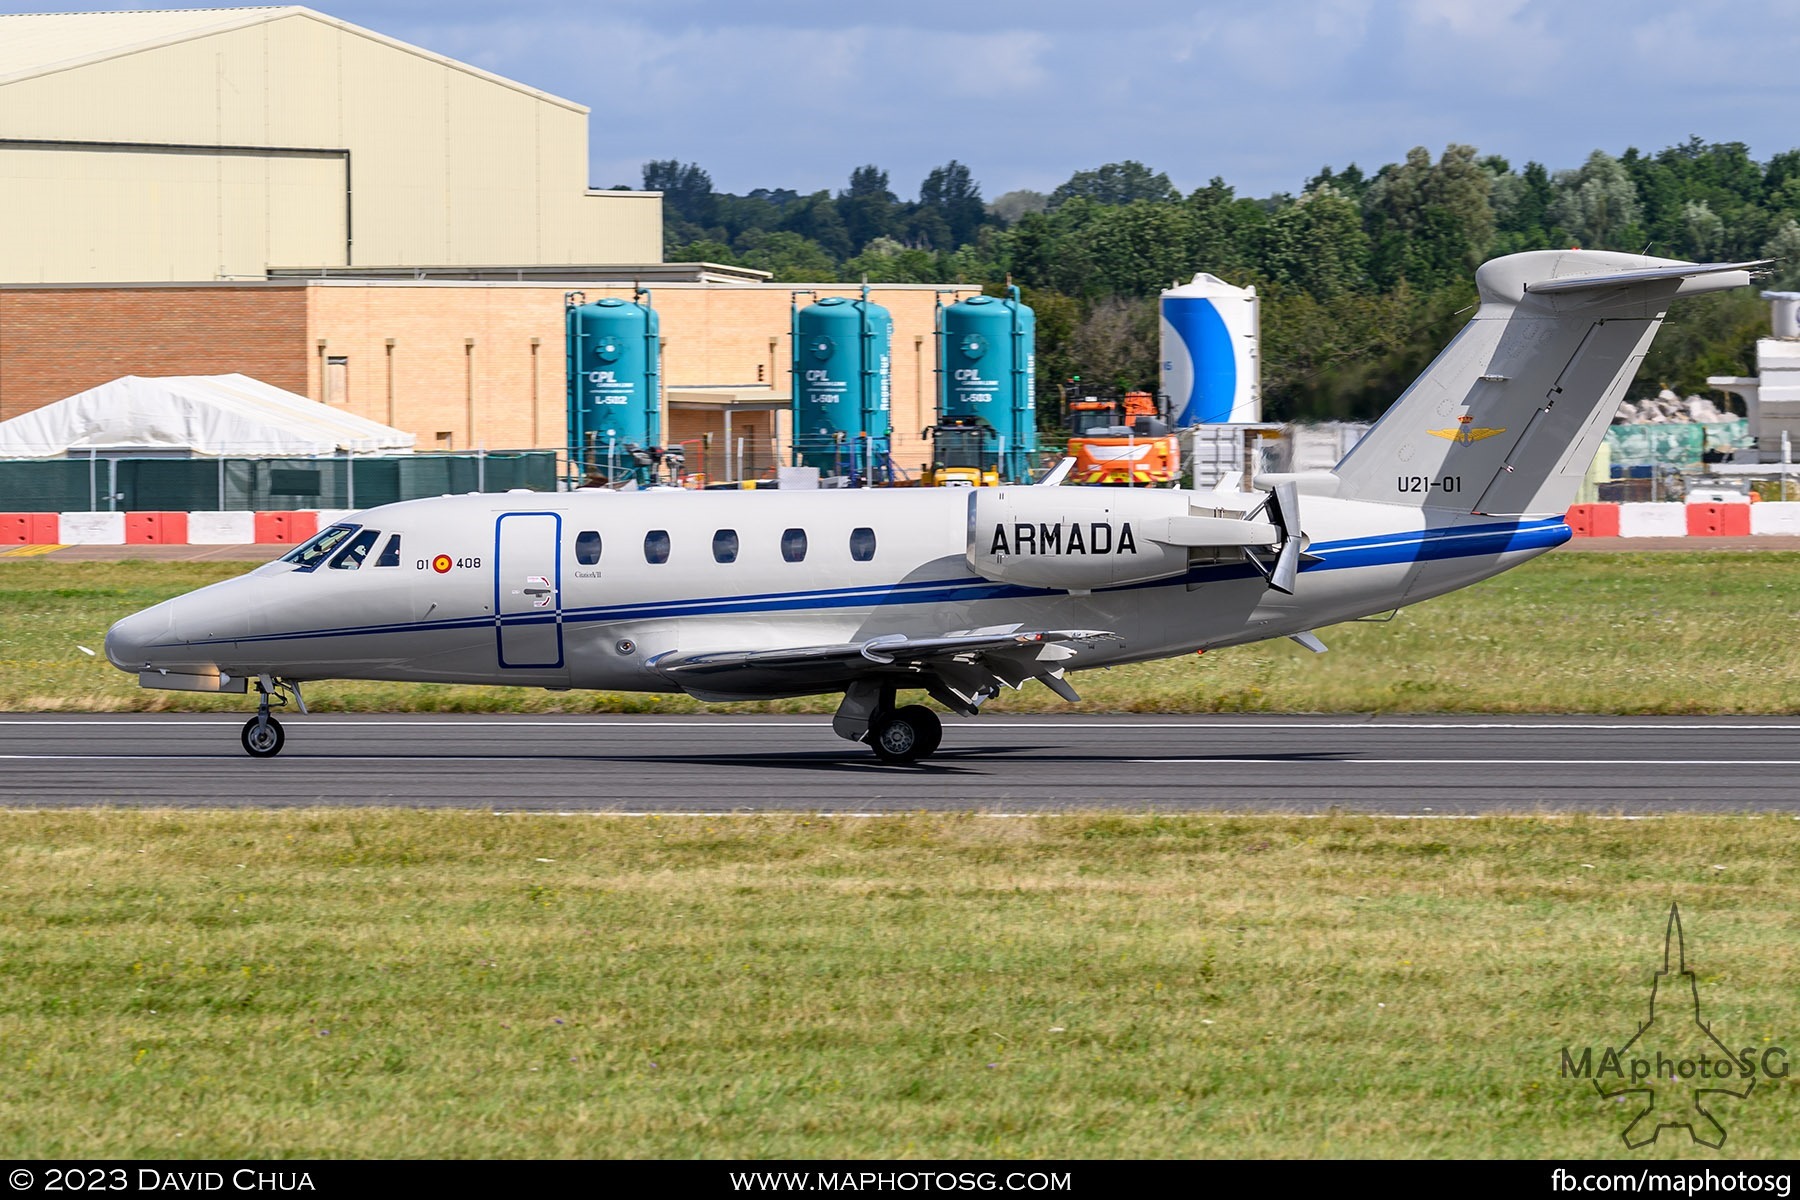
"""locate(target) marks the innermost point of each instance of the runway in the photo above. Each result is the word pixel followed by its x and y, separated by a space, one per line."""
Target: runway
pixel 1419 766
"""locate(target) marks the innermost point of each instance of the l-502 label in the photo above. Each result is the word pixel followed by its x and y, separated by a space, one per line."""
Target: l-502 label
pixel 1421 484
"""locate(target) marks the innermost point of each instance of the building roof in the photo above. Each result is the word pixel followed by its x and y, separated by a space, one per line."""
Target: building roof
pixel 33 44
pixel 621 273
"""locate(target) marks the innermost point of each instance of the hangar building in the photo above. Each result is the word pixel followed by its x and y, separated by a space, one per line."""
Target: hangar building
pixel 219 143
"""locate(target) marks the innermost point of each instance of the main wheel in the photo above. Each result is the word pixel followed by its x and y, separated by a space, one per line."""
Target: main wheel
pixel 263 737
pixel 905 736
pixel 931 730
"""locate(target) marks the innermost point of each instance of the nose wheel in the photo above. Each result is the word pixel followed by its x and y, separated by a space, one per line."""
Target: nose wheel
pixel 263 736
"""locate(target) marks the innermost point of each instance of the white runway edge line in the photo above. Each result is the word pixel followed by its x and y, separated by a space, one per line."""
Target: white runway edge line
pixel 724 721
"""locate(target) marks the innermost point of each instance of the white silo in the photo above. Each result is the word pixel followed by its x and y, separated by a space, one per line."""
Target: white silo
pixel 1211 364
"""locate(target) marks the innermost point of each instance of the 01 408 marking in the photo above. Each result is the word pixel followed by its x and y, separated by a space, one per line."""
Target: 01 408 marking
pixel 1420 484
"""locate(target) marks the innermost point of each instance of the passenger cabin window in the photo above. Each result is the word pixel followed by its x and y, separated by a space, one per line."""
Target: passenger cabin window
pixel 352 555
pixel 390 554
pixel 862 543
pixel 656 546
pixel 587 547
pixel 725 546
pixel 311 553
pixel 793 545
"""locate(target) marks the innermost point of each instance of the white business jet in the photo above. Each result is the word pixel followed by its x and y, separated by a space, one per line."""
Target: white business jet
pixel 955 592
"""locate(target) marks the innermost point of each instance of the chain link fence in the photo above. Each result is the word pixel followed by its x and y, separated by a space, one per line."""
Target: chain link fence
pixel 101 483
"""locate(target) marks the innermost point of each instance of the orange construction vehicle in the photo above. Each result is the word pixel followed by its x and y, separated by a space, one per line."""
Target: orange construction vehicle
pixel 1121 442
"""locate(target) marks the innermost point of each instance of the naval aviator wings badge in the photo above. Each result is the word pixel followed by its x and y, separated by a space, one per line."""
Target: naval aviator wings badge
pixel 1465 432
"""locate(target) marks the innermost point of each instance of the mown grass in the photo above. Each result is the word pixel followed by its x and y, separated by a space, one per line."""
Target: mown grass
pixel 1687 632
pixel 387 984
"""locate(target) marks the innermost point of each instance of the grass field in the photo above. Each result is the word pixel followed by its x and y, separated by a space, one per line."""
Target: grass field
pixel 1687 632
pixel 378 983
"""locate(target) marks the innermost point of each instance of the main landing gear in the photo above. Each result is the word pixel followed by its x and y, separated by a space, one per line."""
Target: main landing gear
pixel 263 736
pixel 897 735
pixel 905 735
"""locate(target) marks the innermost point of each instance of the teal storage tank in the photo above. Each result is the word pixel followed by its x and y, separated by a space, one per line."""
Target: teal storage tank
pixel 843 386
pixel 615 403
pixel 987 356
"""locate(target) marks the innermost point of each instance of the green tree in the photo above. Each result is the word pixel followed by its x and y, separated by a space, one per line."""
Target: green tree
pixel 1429 222
pixel 1784 246
pixel 886 261
pixel 1115 345
pixel 951 192
pixel 867 209
pixel 1116 183
pixel 1597 203
pixel 816 219
pixel 788 256
pixel 1136 249
pixel 1316 243
pixel 687 189
pixel 1010 206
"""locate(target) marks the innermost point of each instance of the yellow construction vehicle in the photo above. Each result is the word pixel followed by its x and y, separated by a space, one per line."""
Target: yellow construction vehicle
pixel 964 453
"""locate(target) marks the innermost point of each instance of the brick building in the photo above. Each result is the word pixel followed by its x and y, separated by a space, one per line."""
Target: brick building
pixel 462 364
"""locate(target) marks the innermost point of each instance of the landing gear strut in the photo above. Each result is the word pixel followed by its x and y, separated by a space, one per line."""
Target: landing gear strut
pixel 263 736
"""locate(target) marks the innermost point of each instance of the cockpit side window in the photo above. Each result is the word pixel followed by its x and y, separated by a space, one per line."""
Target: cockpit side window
pixel 311 553
pixel 390 554
pixel 352 555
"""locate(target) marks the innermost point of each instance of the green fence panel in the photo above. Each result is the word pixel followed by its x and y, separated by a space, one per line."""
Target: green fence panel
pixel 1675 444
pixel 210 484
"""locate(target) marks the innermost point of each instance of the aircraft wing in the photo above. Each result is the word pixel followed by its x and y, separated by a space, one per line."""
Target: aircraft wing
pixel 960 669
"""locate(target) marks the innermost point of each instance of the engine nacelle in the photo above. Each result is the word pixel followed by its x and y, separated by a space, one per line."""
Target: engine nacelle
pixel 1078 538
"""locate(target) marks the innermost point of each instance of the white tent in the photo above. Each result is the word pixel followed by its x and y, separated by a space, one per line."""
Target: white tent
pixel 214 415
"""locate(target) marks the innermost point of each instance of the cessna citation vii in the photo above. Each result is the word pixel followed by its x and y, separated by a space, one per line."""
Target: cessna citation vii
pixel 956 592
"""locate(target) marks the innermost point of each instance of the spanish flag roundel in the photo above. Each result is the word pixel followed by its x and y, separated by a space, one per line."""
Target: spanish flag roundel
pixel 441 563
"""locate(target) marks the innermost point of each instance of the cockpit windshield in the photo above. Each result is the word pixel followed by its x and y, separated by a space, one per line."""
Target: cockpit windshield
pixel 310 554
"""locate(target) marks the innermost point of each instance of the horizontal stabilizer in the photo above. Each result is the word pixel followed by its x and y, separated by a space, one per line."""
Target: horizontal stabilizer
pixel 1589 283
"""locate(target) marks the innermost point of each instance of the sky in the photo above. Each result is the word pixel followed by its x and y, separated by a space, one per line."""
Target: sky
pixel 1263 93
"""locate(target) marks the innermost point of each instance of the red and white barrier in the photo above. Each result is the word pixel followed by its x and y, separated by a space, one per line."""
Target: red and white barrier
pixel 1703 519
pixel 161 528
pixel 288 528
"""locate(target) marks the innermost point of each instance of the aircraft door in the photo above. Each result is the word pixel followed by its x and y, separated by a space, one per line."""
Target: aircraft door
pixel 528 589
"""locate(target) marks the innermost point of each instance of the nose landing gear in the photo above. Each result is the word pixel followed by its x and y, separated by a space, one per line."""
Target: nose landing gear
pixel 263 736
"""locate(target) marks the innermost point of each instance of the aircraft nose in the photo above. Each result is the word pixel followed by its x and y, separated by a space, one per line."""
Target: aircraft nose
pixel 128 643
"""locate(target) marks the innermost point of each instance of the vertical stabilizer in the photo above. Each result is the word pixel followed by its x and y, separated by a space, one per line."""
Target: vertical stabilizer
pixel 1507 419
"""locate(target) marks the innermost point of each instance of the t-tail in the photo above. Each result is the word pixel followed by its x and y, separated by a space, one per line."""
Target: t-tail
pixel 1506 421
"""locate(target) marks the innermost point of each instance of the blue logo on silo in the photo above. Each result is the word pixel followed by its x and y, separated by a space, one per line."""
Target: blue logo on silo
pixel 1204 393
